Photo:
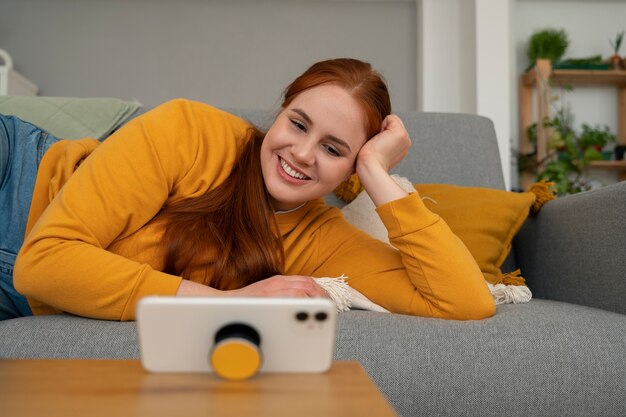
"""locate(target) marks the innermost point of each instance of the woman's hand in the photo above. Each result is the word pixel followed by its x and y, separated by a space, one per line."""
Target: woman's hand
pixel 387 148
pixel 282 286
pixel 276 286
pixel 378 156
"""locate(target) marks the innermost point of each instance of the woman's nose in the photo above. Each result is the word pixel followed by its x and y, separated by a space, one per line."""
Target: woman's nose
pixel 304 152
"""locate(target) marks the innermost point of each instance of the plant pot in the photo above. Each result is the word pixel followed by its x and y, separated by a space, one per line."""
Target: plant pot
pixel 616 62
pixel 619 152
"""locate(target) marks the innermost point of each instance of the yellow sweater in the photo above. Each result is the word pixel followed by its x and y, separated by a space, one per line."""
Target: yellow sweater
pixel 91 249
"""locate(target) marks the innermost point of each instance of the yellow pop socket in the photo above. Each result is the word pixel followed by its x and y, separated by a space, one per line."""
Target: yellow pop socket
pixel 236 353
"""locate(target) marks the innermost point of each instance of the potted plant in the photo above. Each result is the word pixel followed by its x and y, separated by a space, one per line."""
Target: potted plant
pixel 616 60
pixel 569 153
pixel 548 44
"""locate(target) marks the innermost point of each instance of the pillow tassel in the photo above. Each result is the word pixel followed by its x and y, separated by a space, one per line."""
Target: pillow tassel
pixel 349 189
pixel 544 192
pixel 511 278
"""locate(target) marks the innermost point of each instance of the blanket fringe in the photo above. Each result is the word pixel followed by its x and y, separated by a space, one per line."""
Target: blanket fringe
pixel 338 290
pixel 506 294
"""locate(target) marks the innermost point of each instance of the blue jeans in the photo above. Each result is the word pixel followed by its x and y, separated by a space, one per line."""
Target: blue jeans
pixel 22 146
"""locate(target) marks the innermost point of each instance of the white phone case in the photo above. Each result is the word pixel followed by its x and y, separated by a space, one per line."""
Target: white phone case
pixel 176 334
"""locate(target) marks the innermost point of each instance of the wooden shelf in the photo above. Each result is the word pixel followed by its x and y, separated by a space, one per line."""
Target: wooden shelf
pixel 615 165
pixel 579 77
pixel 619 166
pixel 543 77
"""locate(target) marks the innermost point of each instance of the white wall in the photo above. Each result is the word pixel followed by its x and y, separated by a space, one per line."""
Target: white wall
pixel 493 73
pixel 465 63
pixel 447 56
pixel 228 53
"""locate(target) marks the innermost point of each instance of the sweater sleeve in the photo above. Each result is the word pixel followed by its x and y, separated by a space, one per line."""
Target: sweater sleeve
pixel 119 188
pixel 428 271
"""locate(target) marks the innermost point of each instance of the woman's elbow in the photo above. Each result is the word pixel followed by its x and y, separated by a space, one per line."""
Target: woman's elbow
pixel 473 308
pixel 20 278
pixel 24 273
pixel 482 310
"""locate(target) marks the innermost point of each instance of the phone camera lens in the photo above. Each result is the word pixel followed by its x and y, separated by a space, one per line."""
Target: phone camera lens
pixel 321 316
pixel 302 316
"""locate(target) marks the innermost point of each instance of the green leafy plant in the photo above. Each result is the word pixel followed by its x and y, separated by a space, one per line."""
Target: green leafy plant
pixel 615 60
pixel 549 44
pixel 569 153
pixel 617 43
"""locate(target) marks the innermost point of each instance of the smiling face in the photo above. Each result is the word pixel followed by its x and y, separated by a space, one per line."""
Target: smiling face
pixel 312 146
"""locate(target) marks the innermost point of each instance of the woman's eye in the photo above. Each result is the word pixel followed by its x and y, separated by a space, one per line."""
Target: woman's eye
pixel 332 151
pixel 298 125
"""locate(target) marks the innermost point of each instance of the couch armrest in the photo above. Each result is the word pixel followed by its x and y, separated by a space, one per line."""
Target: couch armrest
pixel 575 249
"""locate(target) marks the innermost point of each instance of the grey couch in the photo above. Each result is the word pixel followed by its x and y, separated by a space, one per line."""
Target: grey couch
pixel 562 354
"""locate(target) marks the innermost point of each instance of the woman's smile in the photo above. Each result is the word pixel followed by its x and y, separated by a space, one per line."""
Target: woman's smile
pixel 290 173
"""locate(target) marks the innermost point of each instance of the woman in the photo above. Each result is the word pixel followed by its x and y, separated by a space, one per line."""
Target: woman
pixel 190 200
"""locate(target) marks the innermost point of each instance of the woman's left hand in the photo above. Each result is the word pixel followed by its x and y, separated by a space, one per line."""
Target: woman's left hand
pixel 387 148
pixel 378 156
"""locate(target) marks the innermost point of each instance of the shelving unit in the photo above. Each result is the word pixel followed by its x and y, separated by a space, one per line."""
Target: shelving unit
pixel 542 77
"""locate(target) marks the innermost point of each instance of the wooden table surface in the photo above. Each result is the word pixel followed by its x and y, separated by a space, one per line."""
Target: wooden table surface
pixel 112 388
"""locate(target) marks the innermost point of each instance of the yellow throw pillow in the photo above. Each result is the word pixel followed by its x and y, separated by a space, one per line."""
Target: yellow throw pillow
pixel 485 219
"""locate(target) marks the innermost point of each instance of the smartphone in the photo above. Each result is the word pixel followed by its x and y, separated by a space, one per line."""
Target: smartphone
pixel 179 334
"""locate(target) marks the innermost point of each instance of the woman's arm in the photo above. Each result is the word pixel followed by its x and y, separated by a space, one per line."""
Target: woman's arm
pixel 430 272
pixel 276 286
pixel 171 152
pixel 426 271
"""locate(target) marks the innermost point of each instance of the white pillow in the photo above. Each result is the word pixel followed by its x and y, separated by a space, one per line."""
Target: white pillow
pixel 361 212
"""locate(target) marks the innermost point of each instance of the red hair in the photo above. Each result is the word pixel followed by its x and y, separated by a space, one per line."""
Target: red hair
pixel 235 218
pixel 235 222
pixel 366 86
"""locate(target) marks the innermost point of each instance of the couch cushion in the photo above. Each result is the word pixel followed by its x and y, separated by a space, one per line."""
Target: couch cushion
pixel 66 336
pixel 544 358
pixel 450 148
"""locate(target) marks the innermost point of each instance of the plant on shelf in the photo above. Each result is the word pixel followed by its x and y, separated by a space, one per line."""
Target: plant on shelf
pixel 569 153
pixel 548 44
pixel 615 60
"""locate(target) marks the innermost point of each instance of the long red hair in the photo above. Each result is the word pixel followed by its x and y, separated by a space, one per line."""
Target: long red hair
pixel 235 222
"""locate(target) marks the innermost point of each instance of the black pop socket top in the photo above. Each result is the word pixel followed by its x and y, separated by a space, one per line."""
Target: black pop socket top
pixel 240 330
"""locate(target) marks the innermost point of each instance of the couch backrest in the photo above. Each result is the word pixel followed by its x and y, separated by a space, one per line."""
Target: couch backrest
pixel 448 148
pixel 451 148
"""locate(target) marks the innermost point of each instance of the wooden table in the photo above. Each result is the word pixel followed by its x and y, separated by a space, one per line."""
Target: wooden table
pixel 112 388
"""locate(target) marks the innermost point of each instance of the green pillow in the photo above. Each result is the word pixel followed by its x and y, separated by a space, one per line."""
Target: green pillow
pixel 68 117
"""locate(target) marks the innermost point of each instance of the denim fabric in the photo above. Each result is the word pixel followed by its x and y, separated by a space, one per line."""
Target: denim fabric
pixel 22 146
